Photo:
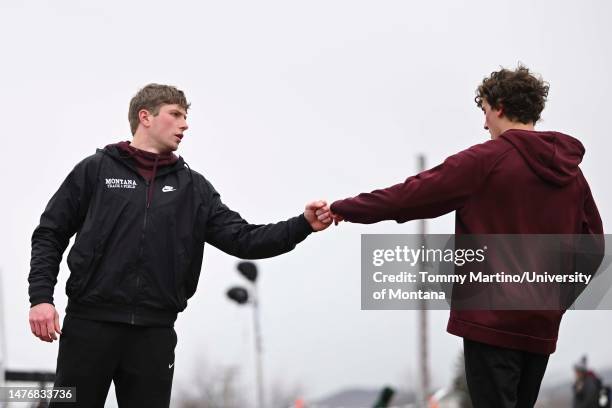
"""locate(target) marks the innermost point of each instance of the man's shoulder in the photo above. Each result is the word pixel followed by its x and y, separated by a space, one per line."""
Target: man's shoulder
pixel 93 160
pixel 492 147
pixel 489 151
pixel 201 182
pixel 198 177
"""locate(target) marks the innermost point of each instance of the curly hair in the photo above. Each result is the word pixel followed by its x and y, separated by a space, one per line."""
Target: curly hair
pixel 151 98
pixel 521 94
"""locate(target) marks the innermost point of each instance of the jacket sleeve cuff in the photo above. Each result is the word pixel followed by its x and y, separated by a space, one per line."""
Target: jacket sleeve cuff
pixel 335 207
pixel 38 301
pixel 303 226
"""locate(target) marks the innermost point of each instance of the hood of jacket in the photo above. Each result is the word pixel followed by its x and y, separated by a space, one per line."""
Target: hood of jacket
pixel 553 156
pixel 142 159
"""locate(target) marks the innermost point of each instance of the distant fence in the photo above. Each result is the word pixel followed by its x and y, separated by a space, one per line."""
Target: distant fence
pixel 29 376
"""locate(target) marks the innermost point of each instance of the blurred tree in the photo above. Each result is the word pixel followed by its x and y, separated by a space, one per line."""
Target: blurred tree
pixel 282 395
pixel 217 387
pixel 222 387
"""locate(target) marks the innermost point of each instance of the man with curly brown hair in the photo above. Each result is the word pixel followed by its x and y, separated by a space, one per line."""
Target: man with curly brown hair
pixel 522 181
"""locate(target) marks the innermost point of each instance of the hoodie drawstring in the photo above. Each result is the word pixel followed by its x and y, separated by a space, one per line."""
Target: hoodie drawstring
pixel 152 183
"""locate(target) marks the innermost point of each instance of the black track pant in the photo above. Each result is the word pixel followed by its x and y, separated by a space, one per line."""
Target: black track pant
pixel 502 378
pixel 139 360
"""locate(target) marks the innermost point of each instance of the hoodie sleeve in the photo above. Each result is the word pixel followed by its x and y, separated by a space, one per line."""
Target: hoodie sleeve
pixel 592 239
pixel 429 194
pixel 61 219
pixel 591 221
pixel 229 232
pixel 589 246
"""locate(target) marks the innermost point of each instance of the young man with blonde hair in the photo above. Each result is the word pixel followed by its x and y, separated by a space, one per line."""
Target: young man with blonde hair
pixel 141 218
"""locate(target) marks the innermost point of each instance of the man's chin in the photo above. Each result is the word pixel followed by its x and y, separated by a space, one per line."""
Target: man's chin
pixel 168 149
pixel 172 148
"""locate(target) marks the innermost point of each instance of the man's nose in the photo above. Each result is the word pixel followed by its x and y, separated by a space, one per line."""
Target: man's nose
pixel 184 126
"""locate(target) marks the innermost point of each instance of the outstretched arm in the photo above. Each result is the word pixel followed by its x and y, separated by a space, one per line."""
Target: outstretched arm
pixel 429 194
pixel 228 231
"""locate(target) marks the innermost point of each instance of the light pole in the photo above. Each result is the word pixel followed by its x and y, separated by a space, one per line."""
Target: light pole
pixel 241 296
pixel 422 330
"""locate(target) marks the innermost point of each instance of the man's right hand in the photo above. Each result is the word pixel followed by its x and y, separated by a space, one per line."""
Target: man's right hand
pixel 44 322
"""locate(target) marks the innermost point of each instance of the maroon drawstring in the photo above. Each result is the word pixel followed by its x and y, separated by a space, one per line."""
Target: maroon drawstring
pixel 152 183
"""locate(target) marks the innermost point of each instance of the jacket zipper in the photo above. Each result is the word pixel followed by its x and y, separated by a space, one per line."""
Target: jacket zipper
pixel 142 238
pixel 144 224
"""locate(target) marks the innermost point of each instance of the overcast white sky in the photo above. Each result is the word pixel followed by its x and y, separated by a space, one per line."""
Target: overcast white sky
pixel 291 101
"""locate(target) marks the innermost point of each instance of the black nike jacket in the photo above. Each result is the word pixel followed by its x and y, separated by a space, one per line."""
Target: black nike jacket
pixel 137 263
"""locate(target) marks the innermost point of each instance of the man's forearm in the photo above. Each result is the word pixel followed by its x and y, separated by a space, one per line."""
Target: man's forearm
pixel 48 245
pixel 248 241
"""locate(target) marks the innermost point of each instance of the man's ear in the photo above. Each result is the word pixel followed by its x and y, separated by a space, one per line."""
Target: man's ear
pixel 144 116
pixel 499 112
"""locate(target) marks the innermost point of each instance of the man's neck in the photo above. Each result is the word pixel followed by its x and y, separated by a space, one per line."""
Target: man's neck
pixel 141 142
pixel 517 125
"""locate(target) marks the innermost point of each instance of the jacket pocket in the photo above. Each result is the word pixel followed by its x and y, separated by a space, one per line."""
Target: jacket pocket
pixel 104 233
pixel 80 281
pixel 79 262
pixel 181 275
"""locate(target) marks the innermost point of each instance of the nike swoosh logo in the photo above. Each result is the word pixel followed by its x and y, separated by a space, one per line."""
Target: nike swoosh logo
pixel 167 189
pixel 170 366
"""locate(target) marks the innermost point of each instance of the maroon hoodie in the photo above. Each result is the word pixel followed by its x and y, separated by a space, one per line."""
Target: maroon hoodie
pixel 147 163
pixel 524 182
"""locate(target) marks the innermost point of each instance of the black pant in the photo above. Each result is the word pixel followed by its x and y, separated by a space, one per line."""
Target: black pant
pixel 139 360
pixel 502 378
